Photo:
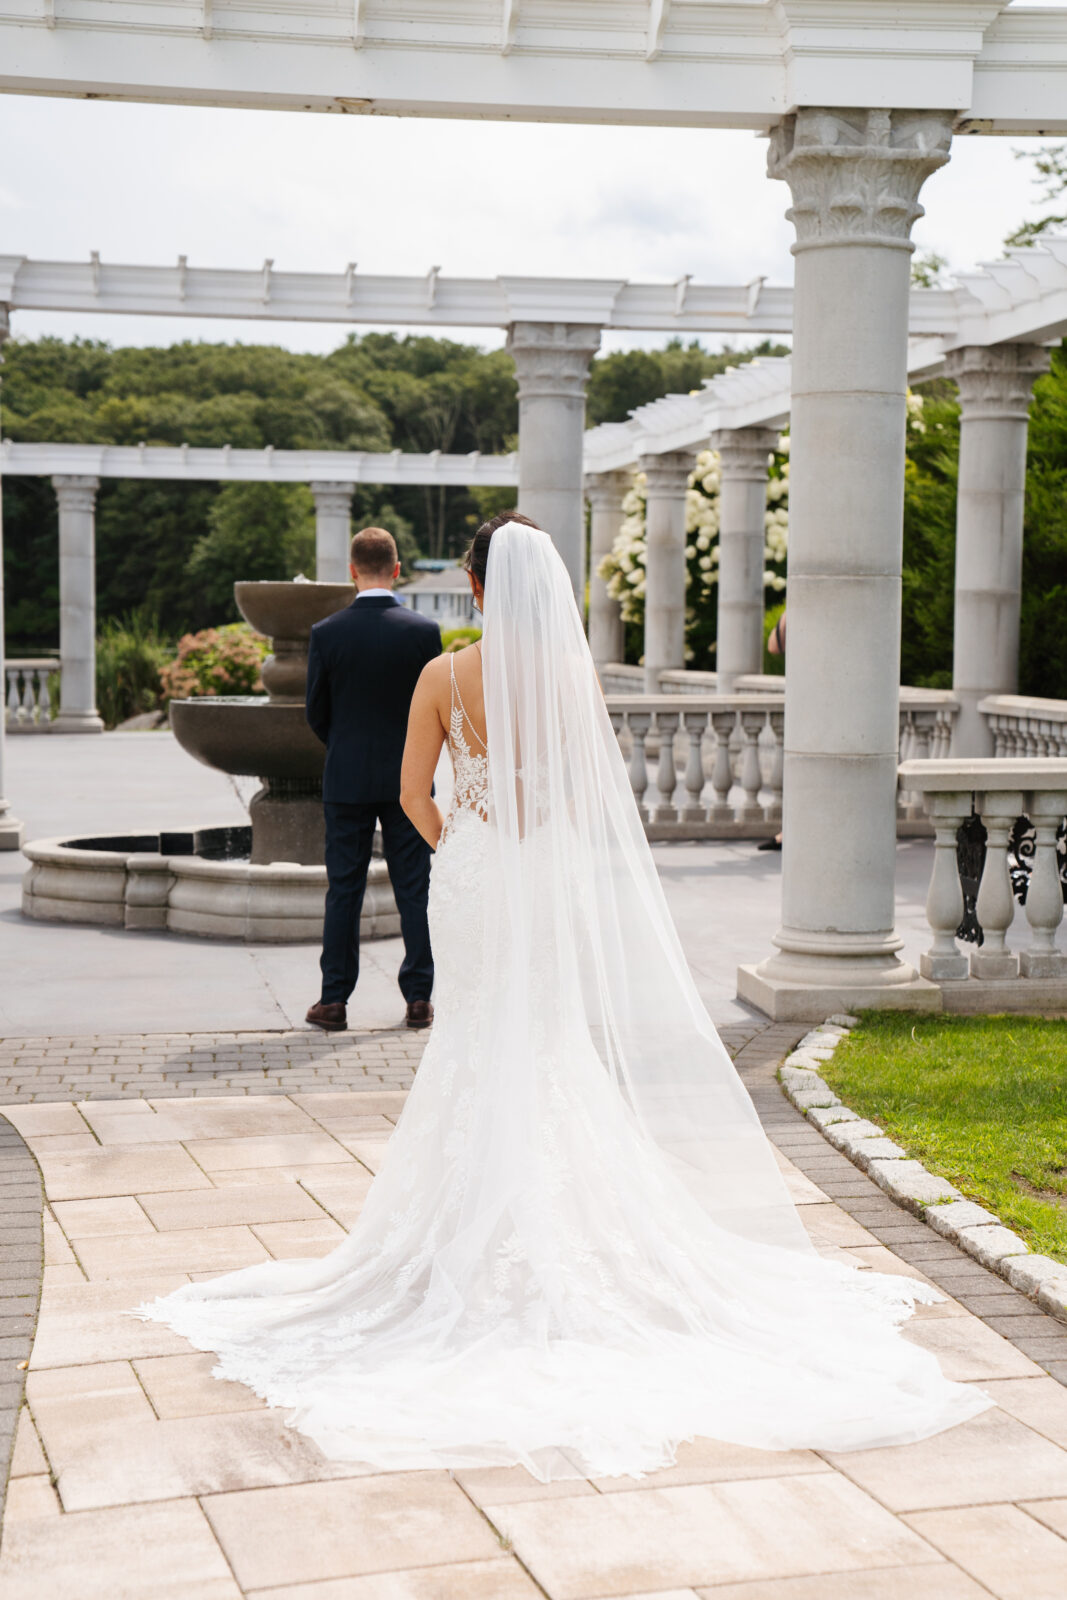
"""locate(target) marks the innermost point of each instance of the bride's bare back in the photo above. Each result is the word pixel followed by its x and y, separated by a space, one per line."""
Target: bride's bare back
pixel 453 678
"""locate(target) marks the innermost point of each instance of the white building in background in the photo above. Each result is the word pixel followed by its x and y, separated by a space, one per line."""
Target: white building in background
pixel 443 596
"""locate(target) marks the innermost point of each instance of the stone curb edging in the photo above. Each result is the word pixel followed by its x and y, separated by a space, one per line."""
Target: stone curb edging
pixel 933 1200
pixel 21 1270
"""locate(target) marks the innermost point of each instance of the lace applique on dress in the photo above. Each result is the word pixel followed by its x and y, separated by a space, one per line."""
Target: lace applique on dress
pixel 470 767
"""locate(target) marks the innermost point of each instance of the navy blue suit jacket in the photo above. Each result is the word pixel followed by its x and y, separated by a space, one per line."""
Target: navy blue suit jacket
pixel 363 665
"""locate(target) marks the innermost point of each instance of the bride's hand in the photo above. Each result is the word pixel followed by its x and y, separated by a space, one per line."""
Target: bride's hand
pixel 422 751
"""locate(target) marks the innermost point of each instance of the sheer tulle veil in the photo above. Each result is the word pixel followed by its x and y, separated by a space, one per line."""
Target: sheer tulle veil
pixel 570 867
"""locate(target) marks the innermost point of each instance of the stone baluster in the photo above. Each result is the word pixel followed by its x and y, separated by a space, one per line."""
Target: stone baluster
pixel 605 492
pixel 10 826
pixel 944 902
pixel 922 732
pixel 552 367
pixel 751 777
pixel 743 459
pixel 666 482
pixel 29 699
pixel 77 605
pixel 664 809
pixel 996 905
pixel 696 726
pixel 776 723
pixel 44 699
pixel 1044 896
pixel 333 530
pixel 995 384
pixel 722 775
pixel 855 177
pixel 639 723
pixel 14 702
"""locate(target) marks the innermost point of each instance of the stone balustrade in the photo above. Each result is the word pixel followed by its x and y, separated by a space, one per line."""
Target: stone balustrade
pixel 927 718
pixel 28 701
pixel 709 769
pixel 1024 725
pixel 1019 863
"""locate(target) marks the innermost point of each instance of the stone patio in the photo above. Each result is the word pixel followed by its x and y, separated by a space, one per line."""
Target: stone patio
pixel 183 1124
pixel 136 1475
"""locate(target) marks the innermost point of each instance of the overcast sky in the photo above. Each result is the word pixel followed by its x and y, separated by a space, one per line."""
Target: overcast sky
pixel 145 183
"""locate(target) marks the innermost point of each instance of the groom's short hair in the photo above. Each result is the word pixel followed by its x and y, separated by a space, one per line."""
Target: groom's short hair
pixel 373 553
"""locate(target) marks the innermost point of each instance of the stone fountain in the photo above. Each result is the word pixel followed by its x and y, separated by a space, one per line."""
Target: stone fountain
pixel 265 882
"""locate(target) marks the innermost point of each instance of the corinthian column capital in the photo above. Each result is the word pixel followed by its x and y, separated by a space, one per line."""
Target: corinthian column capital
pixel 333 497
pixel 552 358
pixel 856 175
pixel 996 380
pixel 76 493
pixel 743 452
pixel 667 473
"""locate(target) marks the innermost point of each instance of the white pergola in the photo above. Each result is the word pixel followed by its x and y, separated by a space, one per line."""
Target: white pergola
pixel 332 475
pixel 861 99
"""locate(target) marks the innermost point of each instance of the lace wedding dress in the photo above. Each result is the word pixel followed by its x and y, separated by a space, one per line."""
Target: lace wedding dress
pixel 579 1250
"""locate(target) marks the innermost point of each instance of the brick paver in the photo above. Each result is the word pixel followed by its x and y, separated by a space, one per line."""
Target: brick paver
pixel 21 1262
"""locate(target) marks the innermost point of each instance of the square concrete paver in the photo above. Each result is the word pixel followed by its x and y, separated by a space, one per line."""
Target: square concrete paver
pixel 927 1582
pixel 164 1551
pixel 502 1579
pixel 648 1539
pixel 1013 1554
pixel 347 1528
pixel 991 1458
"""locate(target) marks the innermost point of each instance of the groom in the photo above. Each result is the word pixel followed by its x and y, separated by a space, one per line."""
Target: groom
pixel 363 665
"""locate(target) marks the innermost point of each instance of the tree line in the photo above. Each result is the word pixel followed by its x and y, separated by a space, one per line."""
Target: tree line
pixel 174 550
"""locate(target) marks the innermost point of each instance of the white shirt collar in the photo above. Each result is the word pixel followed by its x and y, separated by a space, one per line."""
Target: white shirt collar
pixel 366 594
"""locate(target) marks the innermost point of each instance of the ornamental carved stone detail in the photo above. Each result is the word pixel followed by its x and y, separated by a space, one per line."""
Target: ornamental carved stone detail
pixel 76 493
pixel 855 176
pixel 996 380
pixel 607 490
pixel 743 452
pixel 667 473
pixel 552 358
pixel 333 497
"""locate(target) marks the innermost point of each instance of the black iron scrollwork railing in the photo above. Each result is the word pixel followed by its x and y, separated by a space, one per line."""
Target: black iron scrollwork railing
pixel 970 856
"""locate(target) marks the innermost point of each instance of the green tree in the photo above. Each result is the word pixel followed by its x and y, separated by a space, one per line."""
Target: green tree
pixel 255 530
pixel 1050 169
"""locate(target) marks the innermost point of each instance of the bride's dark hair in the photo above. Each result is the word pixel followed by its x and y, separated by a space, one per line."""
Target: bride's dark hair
pixel 478 554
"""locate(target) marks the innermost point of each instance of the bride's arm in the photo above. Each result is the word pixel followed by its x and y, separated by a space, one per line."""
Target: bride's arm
pixel 426 735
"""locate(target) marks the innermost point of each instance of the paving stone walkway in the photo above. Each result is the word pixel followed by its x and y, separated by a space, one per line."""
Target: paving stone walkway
pixel 136 1476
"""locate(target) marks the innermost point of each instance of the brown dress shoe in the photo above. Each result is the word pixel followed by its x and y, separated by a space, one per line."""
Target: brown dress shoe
pixel 420 1014
pixel 328 1014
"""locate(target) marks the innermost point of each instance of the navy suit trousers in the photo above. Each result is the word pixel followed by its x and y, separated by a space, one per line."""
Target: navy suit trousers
pixel 349 842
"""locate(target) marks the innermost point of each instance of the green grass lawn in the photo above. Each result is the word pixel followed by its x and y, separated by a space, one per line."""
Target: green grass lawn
pixel 981 1101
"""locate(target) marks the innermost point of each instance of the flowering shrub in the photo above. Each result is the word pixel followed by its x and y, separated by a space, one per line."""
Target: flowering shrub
pixel 623 568
pixel 218 661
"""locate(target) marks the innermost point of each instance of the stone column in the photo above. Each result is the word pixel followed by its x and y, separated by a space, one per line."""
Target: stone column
pixel 333 530
pixel 667 479
pixel 855 178
pixel 77 605
pixel 743 454
pixel 605 492
pixel 552 366
pixel 995 384
pixel 10 827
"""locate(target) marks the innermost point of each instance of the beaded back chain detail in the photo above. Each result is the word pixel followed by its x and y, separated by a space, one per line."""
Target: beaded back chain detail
pixel 471 767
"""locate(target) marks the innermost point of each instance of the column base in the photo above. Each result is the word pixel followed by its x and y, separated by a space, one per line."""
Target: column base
pixel 78 722
pixel 784 1000
pixel 10 832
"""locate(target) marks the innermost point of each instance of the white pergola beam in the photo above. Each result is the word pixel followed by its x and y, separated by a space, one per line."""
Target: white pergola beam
pixel 253 466
pixel 694 63
pixel 264 294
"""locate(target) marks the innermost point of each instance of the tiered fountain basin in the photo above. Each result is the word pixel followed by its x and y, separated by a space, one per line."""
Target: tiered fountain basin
pixel 262 883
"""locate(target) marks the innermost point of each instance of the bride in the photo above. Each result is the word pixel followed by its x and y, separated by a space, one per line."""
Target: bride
pixel 579 1250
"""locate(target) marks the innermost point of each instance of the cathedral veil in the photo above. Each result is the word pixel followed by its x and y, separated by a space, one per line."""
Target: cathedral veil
pixel 571 872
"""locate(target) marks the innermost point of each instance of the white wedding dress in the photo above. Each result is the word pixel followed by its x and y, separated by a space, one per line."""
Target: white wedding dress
pixel 579 1250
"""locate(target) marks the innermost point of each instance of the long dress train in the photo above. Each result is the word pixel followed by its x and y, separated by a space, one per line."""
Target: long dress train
pixel 579 1250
